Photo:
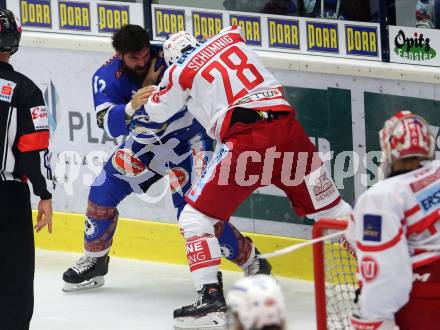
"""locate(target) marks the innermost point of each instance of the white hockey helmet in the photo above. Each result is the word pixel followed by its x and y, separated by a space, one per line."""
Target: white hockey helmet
pixel 176 45
pixel 405 135
pixel 256 301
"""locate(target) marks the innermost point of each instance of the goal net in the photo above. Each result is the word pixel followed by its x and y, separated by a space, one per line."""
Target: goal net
pixel 335 277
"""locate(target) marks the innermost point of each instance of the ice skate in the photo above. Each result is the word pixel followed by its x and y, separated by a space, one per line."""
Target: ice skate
pixel 208 312
pixel 88 273
pixel 258 265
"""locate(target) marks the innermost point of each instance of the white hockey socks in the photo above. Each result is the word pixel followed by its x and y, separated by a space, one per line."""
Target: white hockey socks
pixel 204 257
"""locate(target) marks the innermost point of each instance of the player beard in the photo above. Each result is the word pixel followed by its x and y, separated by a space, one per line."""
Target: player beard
pixel 137 73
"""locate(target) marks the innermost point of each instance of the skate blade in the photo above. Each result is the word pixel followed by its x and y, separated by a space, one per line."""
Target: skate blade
pixel 215 320
pixel 93 283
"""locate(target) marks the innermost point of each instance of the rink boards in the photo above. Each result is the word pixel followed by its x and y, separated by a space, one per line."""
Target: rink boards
pixel 162 242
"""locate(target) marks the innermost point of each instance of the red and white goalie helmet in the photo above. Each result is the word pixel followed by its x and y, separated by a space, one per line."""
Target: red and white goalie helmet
pixel 406 135
pixel 257 301
pixel 176 45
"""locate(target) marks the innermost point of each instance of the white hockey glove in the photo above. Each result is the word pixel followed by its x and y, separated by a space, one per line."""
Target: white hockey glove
pixel 359 324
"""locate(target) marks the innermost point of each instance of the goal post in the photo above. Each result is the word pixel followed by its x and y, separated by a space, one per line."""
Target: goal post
pixel 334 277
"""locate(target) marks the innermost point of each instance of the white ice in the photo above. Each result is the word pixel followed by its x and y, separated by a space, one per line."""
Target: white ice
pixel 137 295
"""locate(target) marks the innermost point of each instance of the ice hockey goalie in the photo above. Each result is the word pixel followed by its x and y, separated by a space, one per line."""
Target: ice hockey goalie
pixel 396 229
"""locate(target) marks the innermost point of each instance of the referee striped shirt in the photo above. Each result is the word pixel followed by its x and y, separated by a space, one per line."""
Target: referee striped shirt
pixel 24 131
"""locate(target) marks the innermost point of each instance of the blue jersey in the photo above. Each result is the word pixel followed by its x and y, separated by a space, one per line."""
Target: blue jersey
pixel 112 90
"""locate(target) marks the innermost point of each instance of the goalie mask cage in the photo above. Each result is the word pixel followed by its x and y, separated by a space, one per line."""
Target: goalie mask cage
pixel 335 277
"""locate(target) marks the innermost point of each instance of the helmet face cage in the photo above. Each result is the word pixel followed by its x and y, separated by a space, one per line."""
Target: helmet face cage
pixel 255 302
pixel 406 135
pixel 10 32
pixel 176 45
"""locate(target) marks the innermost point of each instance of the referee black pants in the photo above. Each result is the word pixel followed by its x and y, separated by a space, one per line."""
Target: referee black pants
pixel 17 256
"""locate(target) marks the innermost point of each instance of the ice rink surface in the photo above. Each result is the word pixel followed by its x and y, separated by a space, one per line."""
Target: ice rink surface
pixel 137 295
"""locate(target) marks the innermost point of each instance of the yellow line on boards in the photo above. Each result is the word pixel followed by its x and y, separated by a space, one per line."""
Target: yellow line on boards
pixel 162 242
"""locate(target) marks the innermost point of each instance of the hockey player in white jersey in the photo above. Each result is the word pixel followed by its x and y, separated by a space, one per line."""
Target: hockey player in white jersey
pixel 396 229
pixel 241 104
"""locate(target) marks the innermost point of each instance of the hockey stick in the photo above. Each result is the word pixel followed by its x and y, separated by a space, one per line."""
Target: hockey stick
pixel 295 247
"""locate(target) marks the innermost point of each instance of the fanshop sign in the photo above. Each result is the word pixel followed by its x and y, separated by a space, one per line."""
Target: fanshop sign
pixel 414 46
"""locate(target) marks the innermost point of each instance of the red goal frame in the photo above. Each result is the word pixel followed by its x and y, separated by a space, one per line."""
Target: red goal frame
pixel 318 267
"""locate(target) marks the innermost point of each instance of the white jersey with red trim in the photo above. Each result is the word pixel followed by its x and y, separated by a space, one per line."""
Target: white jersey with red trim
pixel 396 226
pixel 218 75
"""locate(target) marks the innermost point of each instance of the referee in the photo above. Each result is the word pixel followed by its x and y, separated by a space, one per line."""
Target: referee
pixel 24 140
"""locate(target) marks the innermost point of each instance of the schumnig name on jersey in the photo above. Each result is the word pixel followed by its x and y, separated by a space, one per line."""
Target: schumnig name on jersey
pixel 201 58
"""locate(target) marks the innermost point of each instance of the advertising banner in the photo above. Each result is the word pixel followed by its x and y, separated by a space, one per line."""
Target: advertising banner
pixel 274 32
pixel 93 17
pixel 414 45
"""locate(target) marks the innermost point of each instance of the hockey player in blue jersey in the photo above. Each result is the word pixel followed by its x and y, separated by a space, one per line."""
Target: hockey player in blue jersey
pixel 120 88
